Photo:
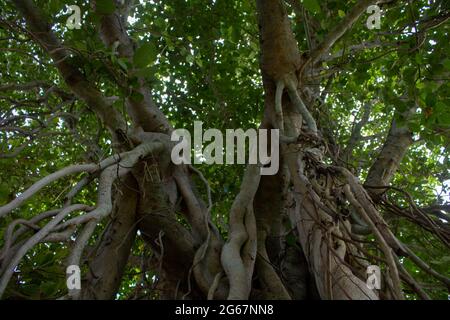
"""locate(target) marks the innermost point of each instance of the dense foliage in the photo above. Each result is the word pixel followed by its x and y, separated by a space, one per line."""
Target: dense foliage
pixel 201 59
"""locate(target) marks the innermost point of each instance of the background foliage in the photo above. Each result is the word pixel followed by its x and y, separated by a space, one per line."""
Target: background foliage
pixel 201 58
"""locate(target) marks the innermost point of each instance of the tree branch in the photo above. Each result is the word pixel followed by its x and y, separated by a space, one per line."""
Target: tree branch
pixel 335 34
pixel 42 32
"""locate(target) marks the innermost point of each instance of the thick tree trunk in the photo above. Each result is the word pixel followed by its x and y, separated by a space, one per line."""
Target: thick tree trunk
pixel 325 254
pixel 394 149
pixel 106 263
pixel 289 234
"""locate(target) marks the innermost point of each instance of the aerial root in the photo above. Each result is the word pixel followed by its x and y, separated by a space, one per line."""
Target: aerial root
pixel 236 265
pixel 299 105
pixel 215 284
pixel 279 106
pixel 393 271
pixel 54 230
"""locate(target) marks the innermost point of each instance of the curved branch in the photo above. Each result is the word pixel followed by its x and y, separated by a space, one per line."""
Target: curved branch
pixel 143 113
pixel 298 103
pixel 394 149
pixel 107 177
pixel 44 182
pixel 340 29
pixel 393 271
pixel 110 257
pixel 77 251
pixel 232 261
pixel 279 106
pixel 35 239
pixel 41 30
pixel 129 159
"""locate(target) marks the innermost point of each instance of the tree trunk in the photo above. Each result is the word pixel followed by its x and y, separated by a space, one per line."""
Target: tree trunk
pixel 290 235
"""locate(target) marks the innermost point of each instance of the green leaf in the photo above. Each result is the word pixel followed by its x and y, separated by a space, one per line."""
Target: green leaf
pixel 430 100
pixel 147 73
pixel 312 5
pixel 341 13
pixel 199 62
pixel 4 190
pixel 105 6
pixel 442 114
pixel 190 58
pixel 290 240
pixel 145 55
pixel 446 64
pixel 122 63
pixel 54 5
pixel 49 288
pixel 409 75
pixel 137 96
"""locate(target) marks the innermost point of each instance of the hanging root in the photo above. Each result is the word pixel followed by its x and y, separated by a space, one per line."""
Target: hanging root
pixel 250 247
pixel 34 240
pixel 329 240
pixel 359 227
pixel 266 272
pixel 77 252
pixel 110 169
pixel 288 82
pixel 412 282
pixel 239 267
pixel 214 286
pixel 299 105
pixel 278 106
pixel 393 271
pixel 417 215
pixel 375 220
pixel 205 264
pixel 320 232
